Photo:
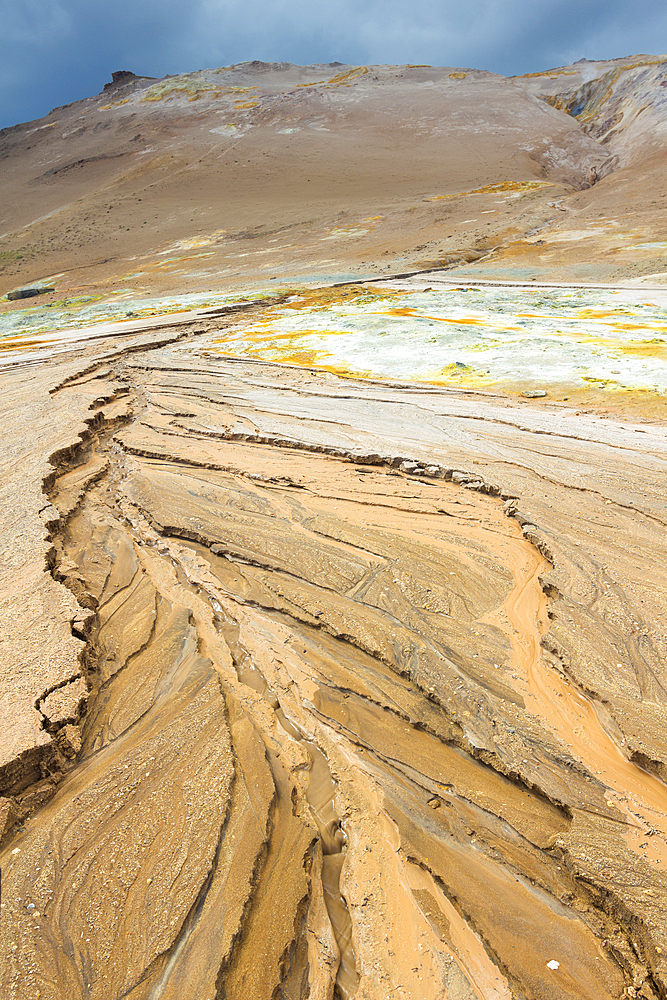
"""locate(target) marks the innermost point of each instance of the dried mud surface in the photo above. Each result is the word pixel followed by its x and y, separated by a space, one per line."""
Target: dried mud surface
pixel 362 695
pixel 317 686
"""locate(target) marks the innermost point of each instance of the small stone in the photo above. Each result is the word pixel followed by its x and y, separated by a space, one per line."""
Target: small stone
pixel 534 393
pixel 553 964
pixel 27 293
pixel 69 738
pixel 7 814
pixel 434 803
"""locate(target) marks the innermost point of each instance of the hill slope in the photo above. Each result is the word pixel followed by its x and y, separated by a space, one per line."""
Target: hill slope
pixel 190 179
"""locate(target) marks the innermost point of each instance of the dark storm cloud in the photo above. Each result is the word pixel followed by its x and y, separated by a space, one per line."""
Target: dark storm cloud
pixel 55 51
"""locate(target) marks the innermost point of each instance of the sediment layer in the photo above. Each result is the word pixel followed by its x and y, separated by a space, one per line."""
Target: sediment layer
pixel 373 692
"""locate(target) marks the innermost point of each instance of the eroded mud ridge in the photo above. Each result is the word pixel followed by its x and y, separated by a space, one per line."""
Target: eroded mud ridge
pixel 326 753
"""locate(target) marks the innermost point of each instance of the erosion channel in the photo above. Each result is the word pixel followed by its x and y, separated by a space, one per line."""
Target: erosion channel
pixel 346 724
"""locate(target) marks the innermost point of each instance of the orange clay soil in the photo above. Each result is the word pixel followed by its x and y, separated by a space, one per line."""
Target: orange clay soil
pixel 349 726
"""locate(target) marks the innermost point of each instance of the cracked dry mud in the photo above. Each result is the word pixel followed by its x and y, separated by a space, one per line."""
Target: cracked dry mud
pixel 374 691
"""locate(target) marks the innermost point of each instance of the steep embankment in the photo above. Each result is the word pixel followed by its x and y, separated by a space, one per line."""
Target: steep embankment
pixel 617 230
pixel 622 103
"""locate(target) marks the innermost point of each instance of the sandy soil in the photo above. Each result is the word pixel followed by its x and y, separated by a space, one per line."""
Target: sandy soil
pixel 315 685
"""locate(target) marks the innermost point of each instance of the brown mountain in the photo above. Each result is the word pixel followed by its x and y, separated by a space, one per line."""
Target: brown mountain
pixel 271 163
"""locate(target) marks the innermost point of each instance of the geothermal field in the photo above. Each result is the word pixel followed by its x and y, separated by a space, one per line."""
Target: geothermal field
pixel 334 561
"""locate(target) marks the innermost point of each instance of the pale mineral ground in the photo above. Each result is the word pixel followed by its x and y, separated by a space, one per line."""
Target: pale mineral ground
pixel 334 563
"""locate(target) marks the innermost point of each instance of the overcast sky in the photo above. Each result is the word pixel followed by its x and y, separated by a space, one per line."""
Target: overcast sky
pixel 57 51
